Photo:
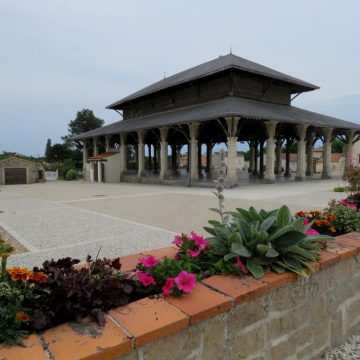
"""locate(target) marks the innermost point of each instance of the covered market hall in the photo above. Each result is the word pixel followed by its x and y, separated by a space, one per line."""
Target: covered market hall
pixel 224 101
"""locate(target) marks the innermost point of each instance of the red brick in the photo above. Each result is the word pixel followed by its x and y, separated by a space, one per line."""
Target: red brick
pixel 241 289
pixel 201 303
pixel 87 340
pixel 150 319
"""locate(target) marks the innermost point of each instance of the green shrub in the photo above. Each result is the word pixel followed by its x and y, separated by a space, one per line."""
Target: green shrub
pixel 263 240
pixel 71 175
pixel 346 218
pixel 339 189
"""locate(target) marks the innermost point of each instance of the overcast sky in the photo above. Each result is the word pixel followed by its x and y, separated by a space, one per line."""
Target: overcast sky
pixel 58 57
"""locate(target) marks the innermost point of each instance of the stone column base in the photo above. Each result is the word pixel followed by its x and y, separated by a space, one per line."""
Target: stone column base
pixel 299 178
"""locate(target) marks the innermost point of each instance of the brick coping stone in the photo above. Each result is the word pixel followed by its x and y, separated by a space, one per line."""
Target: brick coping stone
pixel 149 319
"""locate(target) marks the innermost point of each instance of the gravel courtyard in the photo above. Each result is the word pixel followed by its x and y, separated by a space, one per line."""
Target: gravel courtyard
pixel 58 219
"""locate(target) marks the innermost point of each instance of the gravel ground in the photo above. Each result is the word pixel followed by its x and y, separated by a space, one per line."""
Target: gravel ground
pixel 349 350
pixel 54 230
pixel 5 235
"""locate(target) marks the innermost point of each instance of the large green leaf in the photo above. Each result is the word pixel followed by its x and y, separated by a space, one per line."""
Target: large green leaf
pixel 272 253
pixel 229 256
pixel 235 237
pixel 278 268
pixel 263 214
pixel 214 222
pixel 278 233
pixel 282 264
pixel 262 249
pixel 221 231
pixel 240 249
pixel 289 239
pixel 244 214
pixel 254 214
pixel 267 223
pixel 255 269
pixel 296 250
pixel 210 230
pixel 283 217
pixel 298 224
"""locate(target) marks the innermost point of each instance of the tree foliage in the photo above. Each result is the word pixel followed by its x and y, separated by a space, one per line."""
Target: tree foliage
pixel 48 150
pixel 85 120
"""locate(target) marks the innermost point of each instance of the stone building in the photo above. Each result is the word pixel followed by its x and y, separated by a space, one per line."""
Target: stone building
pixel 225 100
pixel 15 170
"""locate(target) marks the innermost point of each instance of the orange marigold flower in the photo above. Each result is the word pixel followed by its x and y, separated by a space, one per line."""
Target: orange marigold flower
pixel 332 229
pixel 317 222
pixel 22 316
pixel 38 276
pixel 18 273
pixel 301 213
pixel 5 255
pixel 325 222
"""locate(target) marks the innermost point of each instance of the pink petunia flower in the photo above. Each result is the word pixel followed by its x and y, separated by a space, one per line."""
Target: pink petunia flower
pixel 345 203
pixel 310 232
pixel 177 240
pixel 149 261
pixel 145 279
pixel 185 281
pixel 306 221
pixel 240 265
pixel 169 285
pixel 194 253
pixel 199 240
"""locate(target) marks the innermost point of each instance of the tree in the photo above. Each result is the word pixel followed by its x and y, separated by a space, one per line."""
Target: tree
pixel 337 146
pixel 60 152
pixel 48 150
pixel 85 120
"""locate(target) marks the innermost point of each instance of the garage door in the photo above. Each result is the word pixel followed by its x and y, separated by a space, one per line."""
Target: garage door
pixel 15 176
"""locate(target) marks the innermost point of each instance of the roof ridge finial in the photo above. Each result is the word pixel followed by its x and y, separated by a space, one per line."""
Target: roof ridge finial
pixel 164 74
pixel 231 48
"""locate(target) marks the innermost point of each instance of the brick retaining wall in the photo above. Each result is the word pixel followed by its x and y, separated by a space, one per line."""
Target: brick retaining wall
pixel 225 317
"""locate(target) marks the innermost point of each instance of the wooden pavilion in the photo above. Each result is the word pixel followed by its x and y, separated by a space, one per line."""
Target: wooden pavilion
pixel 225 100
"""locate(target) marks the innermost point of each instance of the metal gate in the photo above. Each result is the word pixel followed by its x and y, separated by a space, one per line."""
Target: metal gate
pixel 15 176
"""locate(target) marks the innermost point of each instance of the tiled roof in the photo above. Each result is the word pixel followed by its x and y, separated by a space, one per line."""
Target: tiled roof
pixel 212 67
pixel 229 106
pixel 102 156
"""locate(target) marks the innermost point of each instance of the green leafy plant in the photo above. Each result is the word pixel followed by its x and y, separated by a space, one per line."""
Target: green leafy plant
pixel 347 219
pixel 339 189
pixel 263 240
pixel 13 315
pixel 71 175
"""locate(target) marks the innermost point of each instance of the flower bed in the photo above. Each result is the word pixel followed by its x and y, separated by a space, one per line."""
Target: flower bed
pixel 215 311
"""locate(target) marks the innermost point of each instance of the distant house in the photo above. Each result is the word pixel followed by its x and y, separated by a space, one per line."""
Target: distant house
pixel 337 164
pixel 15 170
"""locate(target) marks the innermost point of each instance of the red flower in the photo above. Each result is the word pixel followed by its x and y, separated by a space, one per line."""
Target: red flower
pixel 145 279
pixel 185 281
pixel 149 261
pixel 169 285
